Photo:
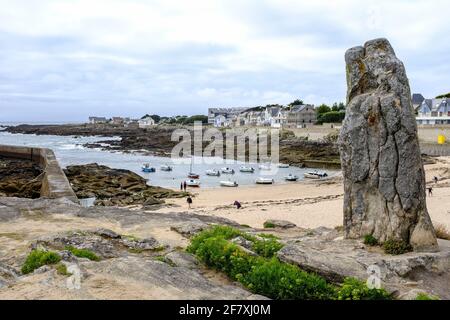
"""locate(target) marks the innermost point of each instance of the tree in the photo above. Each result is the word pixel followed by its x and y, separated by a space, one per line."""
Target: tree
pixel 331 117
pixel 447 95
pixel 153 116
pixel 338 106
pixel 296 102
pixel 323 108
pixel 199 117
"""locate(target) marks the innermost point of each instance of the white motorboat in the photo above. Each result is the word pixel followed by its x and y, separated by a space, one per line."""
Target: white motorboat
pixel 291 177
pixel 192 183
pixel 283 165
pixel 247 169
pixel 264 167
pixel 227 170
pixel 165 167
pixel 264 181
pixel 315 175
pixel 213 172
pixel 228 183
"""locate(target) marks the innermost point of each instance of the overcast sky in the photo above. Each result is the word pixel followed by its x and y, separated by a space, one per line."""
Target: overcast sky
pixel 65 60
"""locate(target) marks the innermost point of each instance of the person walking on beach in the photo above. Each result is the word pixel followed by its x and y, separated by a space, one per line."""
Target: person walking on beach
pixel 189 201
pixel 181 186
pixel 436 179
pixel 430 191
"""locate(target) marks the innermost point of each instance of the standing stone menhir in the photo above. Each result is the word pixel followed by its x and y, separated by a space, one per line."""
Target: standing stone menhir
pixel 384 179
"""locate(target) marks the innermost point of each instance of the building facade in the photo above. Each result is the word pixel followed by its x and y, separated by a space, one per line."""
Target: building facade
pixel 300 116
pixel 434 112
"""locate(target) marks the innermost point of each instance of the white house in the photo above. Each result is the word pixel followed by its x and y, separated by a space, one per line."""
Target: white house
pixel 146 122
pixel 434 111
pixel 94 120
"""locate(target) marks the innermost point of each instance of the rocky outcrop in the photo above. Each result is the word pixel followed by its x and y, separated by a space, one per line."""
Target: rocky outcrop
pixel 115 186
pixel 20 178
pixel 283 224
pixel 325 252
pixel 384 179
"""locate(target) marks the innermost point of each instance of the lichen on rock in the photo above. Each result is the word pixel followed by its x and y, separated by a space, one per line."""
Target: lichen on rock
pixel 384 179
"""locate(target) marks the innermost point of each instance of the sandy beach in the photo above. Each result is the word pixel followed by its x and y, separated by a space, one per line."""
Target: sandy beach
pixel 308 204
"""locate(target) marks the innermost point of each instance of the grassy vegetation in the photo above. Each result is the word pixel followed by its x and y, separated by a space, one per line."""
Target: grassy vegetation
pixel 269 225
pixel 62 269
pixel 370 240
pixel 83 253
pixel 424 296
pixel 39 258
pixel 396 247
pixel 267 275
pixel 441 231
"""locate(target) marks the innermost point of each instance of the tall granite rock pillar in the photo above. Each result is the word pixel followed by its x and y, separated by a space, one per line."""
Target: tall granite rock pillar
pixel 384 179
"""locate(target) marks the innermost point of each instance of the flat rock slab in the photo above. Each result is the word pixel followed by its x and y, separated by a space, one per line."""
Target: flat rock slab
pixel 283 224
pixel 337 258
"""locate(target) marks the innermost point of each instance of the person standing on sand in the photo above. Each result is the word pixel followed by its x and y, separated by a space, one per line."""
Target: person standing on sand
pixel 189 201
pixel 436 179
pixel 237 204
pixel 184 185
pixel 181 186
pixel 430 191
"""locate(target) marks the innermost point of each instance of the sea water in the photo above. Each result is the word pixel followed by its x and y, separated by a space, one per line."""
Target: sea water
pixel 69 150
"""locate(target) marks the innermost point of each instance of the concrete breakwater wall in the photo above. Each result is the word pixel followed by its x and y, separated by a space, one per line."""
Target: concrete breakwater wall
pixel 54 183
pixel 433 149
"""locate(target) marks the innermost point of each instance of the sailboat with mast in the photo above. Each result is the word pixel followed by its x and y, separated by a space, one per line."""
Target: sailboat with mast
pixel 191 174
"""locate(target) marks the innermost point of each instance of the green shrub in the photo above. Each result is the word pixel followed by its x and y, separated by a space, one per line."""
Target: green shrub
pixel 424 296
pixel 83 253
pixel 268 236
pixel 396 247
pixel 62 269
pixel 39 258
pixel 269 225
pixel 266 248
pixel 370 240
pixel 353 289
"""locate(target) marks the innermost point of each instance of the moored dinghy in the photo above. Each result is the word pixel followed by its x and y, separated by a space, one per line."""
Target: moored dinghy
pixel 227 170
pixel 315 175
pixel 165 167
pixel 146 168
pixel 283 165
pixel 247 169
pixel 213 172
pixel 228 183
pixel 261 180
pixel 291 177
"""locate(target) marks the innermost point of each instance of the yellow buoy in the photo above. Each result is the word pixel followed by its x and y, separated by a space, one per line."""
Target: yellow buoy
pixel 441 139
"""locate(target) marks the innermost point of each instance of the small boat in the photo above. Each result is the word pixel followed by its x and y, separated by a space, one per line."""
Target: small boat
pixel 227 170
pixel 264 181
pixel 193 175
pixel 193 183
pixel 291 177
pixel 315 175
pixel 247 169
pixel 146 168
pixel 264 167
pixel 213 172
pixel 283 165
pixel 166 167
pixel 228 183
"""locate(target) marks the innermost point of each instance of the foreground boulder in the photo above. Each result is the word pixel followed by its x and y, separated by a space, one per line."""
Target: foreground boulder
pixel 384 179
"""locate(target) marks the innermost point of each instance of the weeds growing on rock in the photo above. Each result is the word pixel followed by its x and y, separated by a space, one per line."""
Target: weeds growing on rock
pixel 269 225
pixel 370 240
pixel 265 274
pixel 441 231
pixel 396 247
pixel 39 258
pixel 62 269
pixel 424 296
pixel 83 253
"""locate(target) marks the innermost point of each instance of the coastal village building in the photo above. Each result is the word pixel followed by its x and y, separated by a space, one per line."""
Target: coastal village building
pixel 417 100
pixel 95 120
pixel 223 117
pixel 434 111
pixel 146 122
pixel 300 116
